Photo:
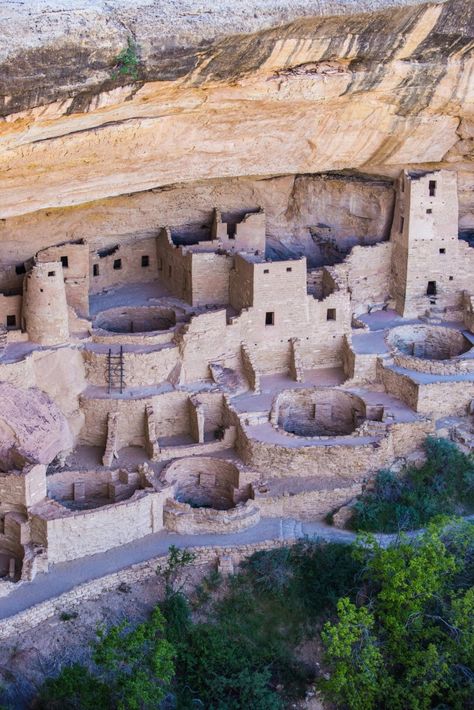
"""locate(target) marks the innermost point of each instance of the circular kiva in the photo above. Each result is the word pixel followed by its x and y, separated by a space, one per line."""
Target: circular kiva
pixel 431 348
pixel 141 319
pixel 203 482
pixel 315 412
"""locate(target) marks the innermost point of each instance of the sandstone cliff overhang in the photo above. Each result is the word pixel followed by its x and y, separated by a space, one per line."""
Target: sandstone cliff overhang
pixel 269 88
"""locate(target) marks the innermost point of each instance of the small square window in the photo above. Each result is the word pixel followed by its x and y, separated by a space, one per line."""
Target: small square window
pixel 442 251
pixel 451 278
pixel 65 262
pixel 117 264
pixel 331 314
pixel 266 271
pixel 289 268
pixel 51 273
pixel 269 318
pixel 429 210
pixel 11 321
pixel 145 261
pixel 20 269
pixel 95 269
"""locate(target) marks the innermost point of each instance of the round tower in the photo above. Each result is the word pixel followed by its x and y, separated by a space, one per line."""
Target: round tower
pixel 45 311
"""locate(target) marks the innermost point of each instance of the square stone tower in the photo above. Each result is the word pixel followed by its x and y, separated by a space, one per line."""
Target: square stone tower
pixel 427 276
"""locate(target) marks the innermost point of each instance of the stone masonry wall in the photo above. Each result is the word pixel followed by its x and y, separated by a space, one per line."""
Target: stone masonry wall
pixel 123 264
pixel 10 308
pixel 74 534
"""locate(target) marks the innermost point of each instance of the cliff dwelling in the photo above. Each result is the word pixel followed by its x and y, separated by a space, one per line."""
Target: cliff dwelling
pixel 199 385
pixel 236 264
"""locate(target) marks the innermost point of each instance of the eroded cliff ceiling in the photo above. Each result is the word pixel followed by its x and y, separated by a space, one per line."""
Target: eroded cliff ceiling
pixel 236 104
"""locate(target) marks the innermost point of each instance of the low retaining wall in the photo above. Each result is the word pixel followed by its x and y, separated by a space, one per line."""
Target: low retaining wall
pixel 185 520
pixel 348 461
pixel 25 620
pixel 307 505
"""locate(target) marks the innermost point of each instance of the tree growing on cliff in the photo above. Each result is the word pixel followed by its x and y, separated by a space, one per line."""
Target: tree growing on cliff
pixel 126 63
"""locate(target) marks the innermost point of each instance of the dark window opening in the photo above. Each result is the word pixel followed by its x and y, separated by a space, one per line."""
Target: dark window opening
pixel 231 230
pixel 442 251
pixel 269 318
pixel 288 268
pixel 95 269
pixel 160 264
pixel 20 269
pixel 451 278
pixel 431 288
pixel 170 270
pixel 402 223
pixel 65 262
pixel 266 271
pixel 145 261
pixel 432 187
pixel 11 321
pixel 107 252
pixel 51 273
pixel 117 264
pixel 331 314
pixel 429 211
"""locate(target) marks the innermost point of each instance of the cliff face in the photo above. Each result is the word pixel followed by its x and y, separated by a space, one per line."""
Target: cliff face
pixel 249 91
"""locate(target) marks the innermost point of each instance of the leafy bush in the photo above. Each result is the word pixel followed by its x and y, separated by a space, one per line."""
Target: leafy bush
pixel 133 669
pixel 75 687
pixel 443 485
pixel 214 673
pixel 412 645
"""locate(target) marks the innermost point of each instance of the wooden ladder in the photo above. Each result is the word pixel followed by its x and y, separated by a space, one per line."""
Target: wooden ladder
pixel 115 370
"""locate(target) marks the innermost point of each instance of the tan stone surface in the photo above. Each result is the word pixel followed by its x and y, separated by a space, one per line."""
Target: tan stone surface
pixel 263 103
pixel 32 428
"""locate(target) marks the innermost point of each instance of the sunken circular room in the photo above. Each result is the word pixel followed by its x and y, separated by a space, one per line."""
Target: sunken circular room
pixel 141 319
pixel 318 412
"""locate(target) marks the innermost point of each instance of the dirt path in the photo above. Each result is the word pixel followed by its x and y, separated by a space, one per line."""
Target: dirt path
pixel 65 576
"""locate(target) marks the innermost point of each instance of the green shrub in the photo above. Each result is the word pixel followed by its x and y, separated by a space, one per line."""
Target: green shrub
pixel 75 687
pixel 443 485
pixel 214 673
pixel 126 63
pixel 411 647
pixel 133 669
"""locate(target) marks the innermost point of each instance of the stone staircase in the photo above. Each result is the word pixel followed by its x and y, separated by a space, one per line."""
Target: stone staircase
pixel 290 529
pixel 373 428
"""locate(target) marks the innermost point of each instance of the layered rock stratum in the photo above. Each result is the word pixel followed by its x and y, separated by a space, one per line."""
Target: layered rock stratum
pixel 235 104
